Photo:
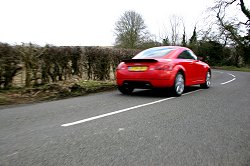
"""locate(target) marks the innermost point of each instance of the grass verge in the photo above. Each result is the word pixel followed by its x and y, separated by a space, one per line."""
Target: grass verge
pixel 232 68
pixel 53 91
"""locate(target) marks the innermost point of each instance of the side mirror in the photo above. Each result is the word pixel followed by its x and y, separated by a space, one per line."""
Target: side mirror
pixel 200 58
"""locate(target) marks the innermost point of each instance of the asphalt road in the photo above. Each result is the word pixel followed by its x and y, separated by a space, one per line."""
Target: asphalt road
pixel 202 127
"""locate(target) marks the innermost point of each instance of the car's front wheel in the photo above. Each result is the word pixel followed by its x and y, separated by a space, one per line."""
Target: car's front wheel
pixel 207 83
pixel 179 84
pixel 125 90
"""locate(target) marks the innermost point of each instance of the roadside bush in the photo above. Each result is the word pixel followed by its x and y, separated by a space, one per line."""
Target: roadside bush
pixel 56 64
pixel 50 64
pixel 30 55
pixel 97 63
pixel 10 65
pixel 77 61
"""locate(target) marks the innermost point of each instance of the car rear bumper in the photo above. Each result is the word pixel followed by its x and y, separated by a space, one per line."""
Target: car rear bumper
pixel 149 79
pixel 143 83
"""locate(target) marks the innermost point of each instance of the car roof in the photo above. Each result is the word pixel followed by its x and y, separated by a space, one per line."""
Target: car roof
pixel 171 47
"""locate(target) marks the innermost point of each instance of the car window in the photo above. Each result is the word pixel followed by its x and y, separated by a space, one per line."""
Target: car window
pixel 193 55
pixel 154 52
pixel 186 55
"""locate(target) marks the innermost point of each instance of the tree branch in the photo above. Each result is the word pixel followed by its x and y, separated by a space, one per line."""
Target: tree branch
pixel 244 9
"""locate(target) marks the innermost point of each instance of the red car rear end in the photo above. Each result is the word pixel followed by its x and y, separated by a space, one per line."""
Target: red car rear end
pixel 145 73
pixel 158 67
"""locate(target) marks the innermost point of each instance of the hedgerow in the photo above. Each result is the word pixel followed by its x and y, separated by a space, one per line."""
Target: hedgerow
pixel 50 64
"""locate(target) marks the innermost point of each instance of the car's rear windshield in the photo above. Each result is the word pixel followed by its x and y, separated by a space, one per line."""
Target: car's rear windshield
pixel 153 53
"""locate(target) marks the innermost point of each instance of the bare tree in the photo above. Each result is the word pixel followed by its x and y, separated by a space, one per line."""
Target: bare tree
pixel 175 23
pixel 233 29
pixel 164 36
pixel 184 36
pixel 130 30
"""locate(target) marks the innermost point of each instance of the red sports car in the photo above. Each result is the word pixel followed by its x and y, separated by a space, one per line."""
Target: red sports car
pixel 162 67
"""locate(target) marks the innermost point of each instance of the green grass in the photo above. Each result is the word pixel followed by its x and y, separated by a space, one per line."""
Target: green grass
pixel 95 86
pixel 233 68
pixel 3 99
pixel 90 84
pixel 53 91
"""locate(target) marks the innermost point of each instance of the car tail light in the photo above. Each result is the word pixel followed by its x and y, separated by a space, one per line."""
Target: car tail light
pixel 121 66
pixel 166 67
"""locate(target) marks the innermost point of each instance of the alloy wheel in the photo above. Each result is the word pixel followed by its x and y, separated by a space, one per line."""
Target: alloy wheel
pixel 179 84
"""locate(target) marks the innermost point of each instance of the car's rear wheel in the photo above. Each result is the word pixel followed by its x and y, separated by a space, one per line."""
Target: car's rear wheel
pixel 125 89
pixel 207 83
pixel 179 84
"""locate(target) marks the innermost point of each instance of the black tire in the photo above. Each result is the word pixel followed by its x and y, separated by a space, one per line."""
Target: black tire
pixel 125 90
pixel 179 84
pixel 207 82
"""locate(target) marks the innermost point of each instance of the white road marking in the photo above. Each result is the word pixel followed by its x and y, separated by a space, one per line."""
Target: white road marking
pixel 231 75
pixel 223 83
pixel 138 106
pixel 234 78
pixel 120 111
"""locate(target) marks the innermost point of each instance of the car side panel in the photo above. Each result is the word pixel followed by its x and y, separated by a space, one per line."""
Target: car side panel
pixel 187 66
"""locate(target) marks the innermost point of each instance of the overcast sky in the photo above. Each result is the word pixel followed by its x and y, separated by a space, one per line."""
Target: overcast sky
pixel 88 22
